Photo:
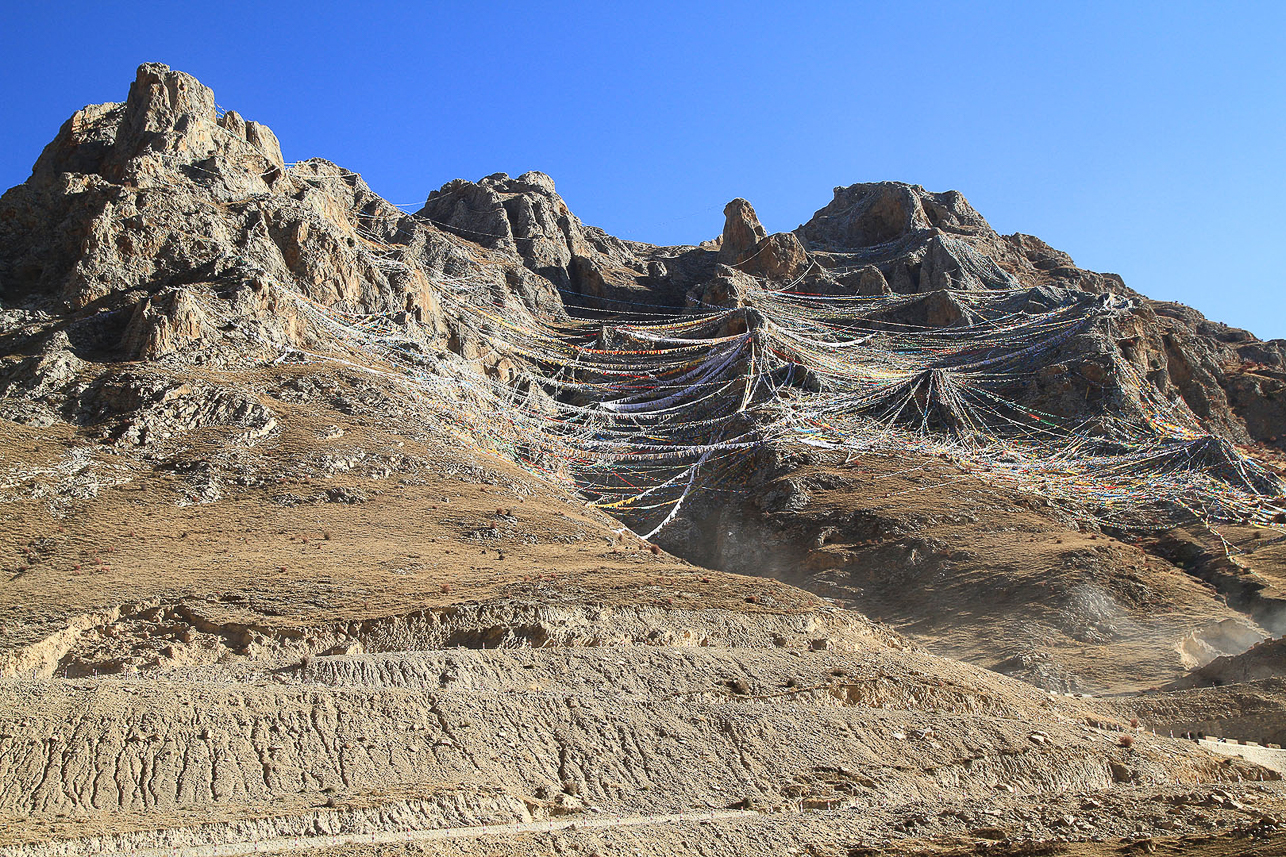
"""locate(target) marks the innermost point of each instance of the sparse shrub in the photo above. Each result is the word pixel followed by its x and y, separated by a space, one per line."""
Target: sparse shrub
pixel 1127 741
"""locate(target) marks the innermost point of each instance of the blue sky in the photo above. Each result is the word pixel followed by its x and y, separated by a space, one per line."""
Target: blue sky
pixel 1141 138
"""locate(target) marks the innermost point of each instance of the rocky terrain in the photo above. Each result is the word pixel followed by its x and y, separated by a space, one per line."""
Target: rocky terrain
pixel 329 526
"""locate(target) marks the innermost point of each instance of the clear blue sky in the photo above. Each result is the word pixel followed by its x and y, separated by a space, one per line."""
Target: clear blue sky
pixel 1142 138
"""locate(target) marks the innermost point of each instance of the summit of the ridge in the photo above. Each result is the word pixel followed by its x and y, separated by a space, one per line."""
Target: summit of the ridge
pixel 169 121
pixel 869 214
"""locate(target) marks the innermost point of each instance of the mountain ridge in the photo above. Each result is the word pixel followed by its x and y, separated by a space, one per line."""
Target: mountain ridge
pixel 273 444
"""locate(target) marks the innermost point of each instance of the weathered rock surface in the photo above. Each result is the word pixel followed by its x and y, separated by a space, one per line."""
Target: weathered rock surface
pixel 746 246
pixel 920 242
pixel 524 216
pixel 742 232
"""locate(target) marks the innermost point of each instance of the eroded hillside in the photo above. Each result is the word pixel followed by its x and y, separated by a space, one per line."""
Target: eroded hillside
pixel 320 518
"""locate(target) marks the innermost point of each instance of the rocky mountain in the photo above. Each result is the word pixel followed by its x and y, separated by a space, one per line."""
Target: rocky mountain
pixel 476 527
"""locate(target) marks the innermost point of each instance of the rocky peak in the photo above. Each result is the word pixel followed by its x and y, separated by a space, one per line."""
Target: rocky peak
pixel 256 134
pixel 526 216
pixel 94 232
pixel 1040 254
pixel 169 121
pixel 503 213
pixel 167 113
pixel 872 214
pixel 747 246
pixel 742 232
pixel 182 235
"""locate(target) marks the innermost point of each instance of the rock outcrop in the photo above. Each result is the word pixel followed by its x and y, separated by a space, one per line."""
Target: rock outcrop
pixel 157 229
pixel 742 232
pixel 746 246
pixel 524 216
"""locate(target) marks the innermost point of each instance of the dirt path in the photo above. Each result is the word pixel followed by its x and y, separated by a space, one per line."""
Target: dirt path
pixel 302 843
pixel 1269 757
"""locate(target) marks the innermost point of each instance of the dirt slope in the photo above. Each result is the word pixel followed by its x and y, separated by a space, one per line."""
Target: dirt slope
pixel 291 552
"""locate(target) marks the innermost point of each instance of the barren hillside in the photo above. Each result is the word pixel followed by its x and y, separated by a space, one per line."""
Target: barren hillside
pixel 333 526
